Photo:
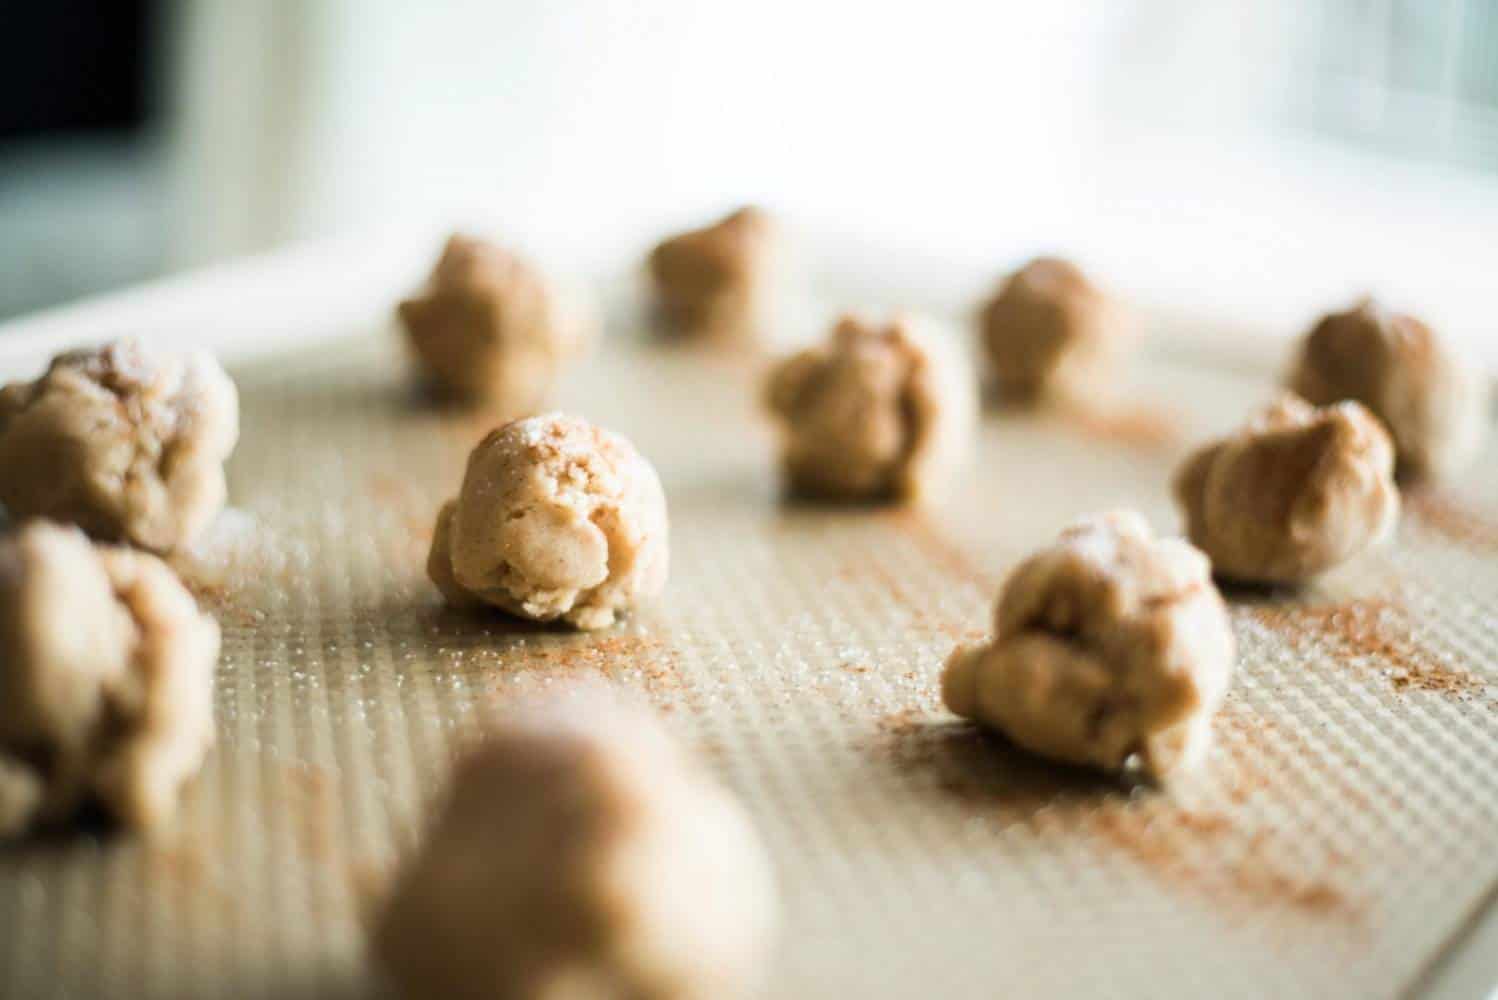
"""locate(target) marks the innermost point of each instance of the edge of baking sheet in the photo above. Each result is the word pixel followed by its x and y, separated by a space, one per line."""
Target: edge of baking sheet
pixel 293 298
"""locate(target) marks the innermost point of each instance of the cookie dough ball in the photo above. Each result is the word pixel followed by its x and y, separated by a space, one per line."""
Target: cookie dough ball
pixel 1432 402
pixel 580 853
pixel 1049 331
pixel 556 519
pixel 489 328
pixel 717 283
pixel 1110 643
pixel 877 413
pixel 106 681
pixel 126 442
pixel 1295 492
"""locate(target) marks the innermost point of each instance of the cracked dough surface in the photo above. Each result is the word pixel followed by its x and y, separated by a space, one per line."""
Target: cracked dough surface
pixel 106 681
pixel 580 853
pixel 1433 402
pixel 715 282
pixel 556 519
pixel 877 412
pixel 488 326
pixel 126 442
pixel 1109 643
pixel 1049 331
pixel 1297 491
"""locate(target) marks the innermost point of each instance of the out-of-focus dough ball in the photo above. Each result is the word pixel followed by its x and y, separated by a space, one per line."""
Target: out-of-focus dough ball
pixel 106 681
pixel 1295 492
pixel 125 442
pixel 580 853
pixel 716 283
pixel 876 413
pixel 556 519
pixel 1433 402
pixel 1050 332
pixel 490 328
pixel 1108 644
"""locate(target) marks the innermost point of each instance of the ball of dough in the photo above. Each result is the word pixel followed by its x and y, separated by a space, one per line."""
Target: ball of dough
pixel 716 283
pixel 556 519
pixel 126 442
pixel 878 412
pixel 489 328
pixel 1049 331
pixel 1110 643
pixel 1433 403
pixel 580 853
pixel 1292 494
pixel 106 681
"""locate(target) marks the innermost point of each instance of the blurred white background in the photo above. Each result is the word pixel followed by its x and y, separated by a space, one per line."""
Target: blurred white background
pixel 1241 162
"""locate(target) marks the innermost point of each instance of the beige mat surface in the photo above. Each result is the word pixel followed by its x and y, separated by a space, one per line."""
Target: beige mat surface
pixel 1337 844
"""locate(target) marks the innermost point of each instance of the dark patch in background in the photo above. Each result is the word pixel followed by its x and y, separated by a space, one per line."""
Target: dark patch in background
pixel 77 66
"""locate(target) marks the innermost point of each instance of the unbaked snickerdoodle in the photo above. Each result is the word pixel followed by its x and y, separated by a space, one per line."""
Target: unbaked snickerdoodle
pixel 556 520
pixel 1110 646
pixel 1049 332
pixel 718 283
pixel 580 853
pixel 1433 402
pixel 124 441
pixel 490 328
pixel 1297 491
pixel 106 681
pixel 879 412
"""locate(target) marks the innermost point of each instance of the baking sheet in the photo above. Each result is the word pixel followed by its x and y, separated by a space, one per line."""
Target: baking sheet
pixel 1339 842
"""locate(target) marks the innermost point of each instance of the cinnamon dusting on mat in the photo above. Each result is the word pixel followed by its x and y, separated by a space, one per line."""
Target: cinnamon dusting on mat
pixel 1135 425
pixel 182 862
pixel 941 551
pixel 1445 515
pixel 1262 757
pixel 417 514
pixel 1212 854
pixel 640 661
pixel 1370 629
pixel 219 566
pixel 902 593
pixel 185 864
pixel 314 814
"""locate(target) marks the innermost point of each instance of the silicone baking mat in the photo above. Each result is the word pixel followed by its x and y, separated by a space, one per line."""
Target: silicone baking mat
pixel 1339 842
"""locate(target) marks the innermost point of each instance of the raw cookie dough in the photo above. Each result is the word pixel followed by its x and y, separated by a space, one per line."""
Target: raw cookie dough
pixel 556 519
pixel 488 327
pixel 106 681
pixel 126 442
pixel 1433 403
pixel 1049 331
pixel 716 283
pixel 1107 644
pixel 878 412
pixel 1295 492
pixel 580 853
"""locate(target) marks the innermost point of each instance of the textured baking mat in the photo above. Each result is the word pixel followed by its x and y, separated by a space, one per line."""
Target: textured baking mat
pixel 1337 844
